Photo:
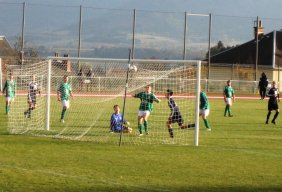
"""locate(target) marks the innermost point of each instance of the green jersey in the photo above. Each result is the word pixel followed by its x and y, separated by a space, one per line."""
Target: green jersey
pixel 228 91
pixel 10 88
pixel 204 102
pixel 65 91
pixel 147 100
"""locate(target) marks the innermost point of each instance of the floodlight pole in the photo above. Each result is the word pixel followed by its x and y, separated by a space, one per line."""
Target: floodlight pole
pixel 209 34
pixel 184 40
pixel 257 45
pixel 22 40
pixel 133 35
pixel 185 28
pixel 209 50
pixel 79 35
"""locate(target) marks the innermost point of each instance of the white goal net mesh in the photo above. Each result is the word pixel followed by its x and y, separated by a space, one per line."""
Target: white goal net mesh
pixel 97 85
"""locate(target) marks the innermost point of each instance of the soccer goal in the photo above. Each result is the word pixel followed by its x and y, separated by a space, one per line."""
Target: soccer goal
pixel 97 84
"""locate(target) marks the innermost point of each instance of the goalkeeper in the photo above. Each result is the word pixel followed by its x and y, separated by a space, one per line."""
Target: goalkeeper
pixel 64 93
pixel 147 98
pixel 33 88
pixel 175 115
pixel 9 91
pixel 118 123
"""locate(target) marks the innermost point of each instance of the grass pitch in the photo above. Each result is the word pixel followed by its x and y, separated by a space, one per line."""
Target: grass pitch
pixel 239 154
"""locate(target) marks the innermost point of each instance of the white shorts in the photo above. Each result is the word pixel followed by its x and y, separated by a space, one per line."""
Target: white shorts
pixel 66 103
pixel 143 113
pixel 205 112
pixel 229 101
pixel 10 99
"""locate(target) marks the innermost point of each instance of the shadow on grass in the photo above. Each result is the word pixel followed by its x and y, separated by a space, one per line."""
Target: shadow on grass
pixel 163 189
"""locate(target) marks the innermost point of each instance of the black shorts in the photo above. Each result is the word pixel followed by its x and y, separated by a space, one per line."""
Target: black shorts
pixel 272 106
pixel 176 117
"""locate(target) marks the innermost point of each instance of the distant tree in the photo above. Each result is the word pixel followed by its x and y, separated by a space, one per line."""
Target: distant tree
pixel 30 53
pixel 218 48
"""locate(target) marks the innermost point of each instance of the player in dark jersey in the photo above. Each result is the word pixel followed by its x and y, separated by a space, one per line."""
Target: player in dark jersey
pixel 263 83
pixel 273 95
pixel 175 115
pixel 33 89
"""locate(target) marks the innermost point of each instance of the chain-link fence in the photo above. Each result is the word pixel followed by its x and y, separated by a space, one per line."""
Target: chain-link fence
pixel 79 31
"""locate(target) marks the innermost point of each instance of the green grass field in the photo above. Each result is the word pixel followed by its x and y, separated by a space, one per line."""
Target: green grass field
pixel 239 154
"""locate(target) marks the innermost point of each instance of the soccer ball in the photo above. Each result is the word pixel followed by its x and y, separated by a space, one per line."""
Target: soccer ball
pixel 127 123
pixel 133 68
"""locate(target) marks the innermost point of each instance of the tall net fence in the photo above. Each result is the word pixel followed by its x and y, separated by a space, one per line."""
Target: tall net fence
pixel 98 85
pixel 81 30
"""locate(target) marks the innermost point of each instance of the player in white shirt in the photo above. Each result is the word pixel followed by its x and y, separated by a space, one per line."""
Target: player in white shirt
pixel 33 89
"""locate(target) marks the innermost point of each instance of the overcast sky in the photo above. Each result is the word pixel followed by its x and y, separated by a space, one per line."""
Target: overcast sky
pixel 245 8
pixel 262 8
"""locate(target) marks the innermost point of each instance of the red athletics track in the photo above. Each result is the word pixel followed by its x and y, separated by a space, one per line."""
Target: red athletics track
pixel 105 94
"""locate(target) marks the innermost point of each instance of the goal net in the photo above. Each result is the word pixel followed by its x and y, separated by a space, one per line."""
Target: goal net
pixel 97 85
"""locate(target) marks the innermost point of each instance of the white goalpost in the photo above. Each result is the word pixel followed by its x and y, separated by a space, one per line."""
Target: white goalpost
pixel 98 84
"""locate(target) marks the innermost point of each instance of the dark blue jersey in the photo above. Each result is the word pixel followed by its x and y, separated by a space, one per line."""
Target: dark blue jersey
pixel 117 122
pixel 172 105
pixel 273 95
pixel 175 115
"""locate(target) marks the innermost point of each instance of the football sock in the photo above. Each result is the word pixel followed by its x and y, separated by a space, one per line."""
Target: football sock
pixel 275 116
pixel 63 113
pixel 7 109
pixel 146 126
pixel 140 128
pixel 226 108
pixel 268 115
pixel 229 110
pixel 29 110
pixel 170 132
pixel 206 123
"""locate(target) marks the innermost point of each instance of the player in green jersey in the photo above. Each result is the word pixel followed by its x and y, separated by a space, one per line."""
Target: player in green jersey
pixel 64 93
pixel 147 98
pixel 204 109
pixel 9 91
pixel 229 96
